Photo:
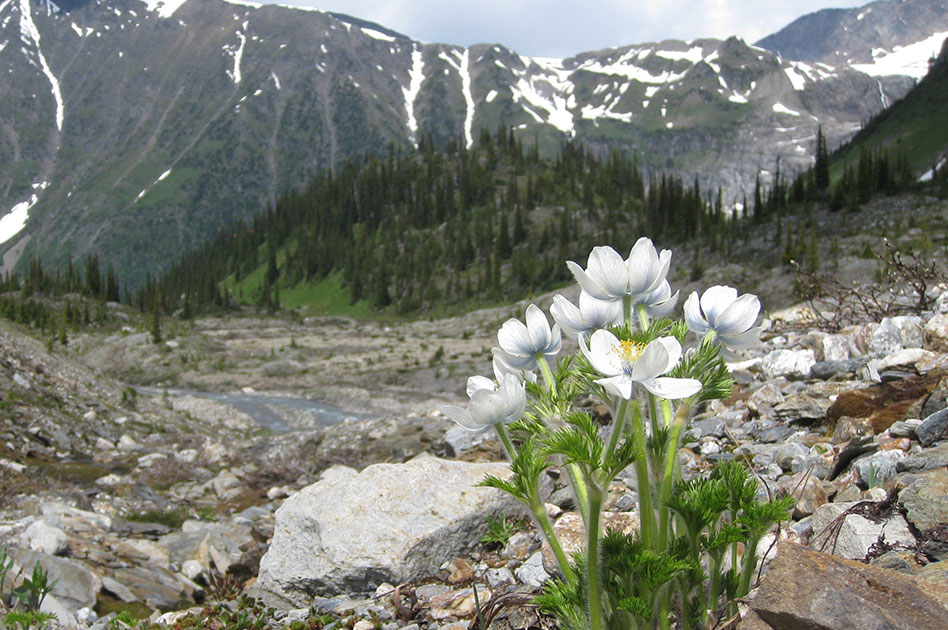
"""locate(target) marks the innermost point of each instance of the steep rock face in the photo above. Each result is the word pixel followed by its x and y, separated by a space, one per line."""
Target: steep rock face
pixel 859 35
pixel 136 129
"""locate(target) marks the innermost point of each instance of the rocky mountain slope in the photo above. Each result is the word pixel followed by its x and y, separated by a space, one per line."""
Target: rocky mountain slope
pixel 135 129
pixel 875 33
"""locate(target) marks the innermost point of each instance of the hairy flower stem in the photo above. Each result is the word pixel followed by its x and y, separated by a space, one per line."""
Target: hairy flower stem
pixel 575 475
pixel 547 376
pixel 646 515
pixel 592 559
pixel 539 511
pixel 618 428
pixel 627 310
pixel 671 458
pixel 642 311
pixel 749 563
pixel 543 520
pixel 505 438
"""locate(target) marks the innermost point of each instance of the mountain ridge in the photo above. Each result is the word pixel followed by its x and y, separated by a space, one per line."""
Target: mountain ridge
pixel 172 126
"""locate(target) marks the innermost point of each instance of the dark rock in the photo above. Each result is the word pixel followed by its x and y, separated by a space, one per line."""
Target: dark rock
pixel 802 408
pixel 925 500
pixel 937 401
pixel 904 429
pixel 775 433
pixel 131 528
pixel 825 370
pixel 708 426
pixel 847 595
pixel 933 428
pixel 930 458
pixel 887 376
pixel 856 447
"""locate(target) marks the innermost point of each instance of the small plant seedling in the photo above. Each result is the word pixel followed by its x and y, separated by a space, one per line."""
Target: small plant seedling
pixel 499 531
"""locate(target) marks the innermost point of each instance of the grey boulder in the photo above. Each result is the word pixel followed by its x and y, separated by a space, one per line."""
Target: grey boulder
pixel 389 523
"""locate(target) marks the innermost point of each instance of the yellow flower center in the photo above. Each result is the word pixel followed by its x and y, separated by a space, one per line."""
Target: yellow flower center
pixel 629 351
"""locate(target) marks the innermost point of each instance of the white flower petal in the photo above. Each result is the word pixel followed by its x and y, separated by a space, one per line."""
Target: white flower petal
pixel 462 417
pixel 599 313
pixel 664 307
pixel 514 338
pixel 556 343
pixel 514 361
pixel 568 316
pixel 609 270
pixel 603 353
pixel 588 283
pixel 538 328
pixel 673 348
pixel 672 388
pixel 653 362
pixel 618 386
pixel 693 317
pixel 739 316
pixel 477 382
pixel 715 300
pixel 743 340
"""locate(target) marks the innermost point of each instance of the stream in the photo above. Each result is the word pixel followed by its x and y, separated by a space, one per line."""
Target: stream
pixel 280 414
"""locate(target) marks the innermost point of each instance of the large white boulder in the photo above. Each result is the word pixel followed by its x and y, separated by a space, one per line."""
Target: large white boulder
pixel 389 523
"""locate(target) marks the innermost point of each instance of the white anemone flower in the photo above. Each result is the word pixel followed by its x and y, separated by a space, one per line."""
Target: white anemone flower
pixel 660 302
pixel 591 314
pixel 501 370
pixel 608 277
pixel 521 345
pixel 625 363
pixel 505 402
pixel 730 317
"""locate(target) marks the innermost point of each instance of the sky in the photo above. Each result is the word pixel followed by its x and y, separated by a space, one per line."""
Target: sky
pixel 562 28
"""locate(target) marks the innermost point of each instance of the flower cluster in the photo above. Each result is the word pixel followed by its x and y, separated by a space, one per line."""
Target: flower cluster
pixel 631 358
pixel 613 289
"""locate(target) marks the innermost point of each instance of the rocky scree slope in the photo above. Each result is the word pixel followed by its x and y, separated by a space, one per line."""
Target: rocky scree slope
pixel 135 130
pixel 849 422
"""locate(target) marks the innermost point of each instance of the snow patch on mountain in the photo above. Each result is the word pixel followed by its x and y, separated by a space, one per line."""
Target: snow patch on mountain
pixel 29 33
pixel 15 220
pixel 416 77
pixel 374 34
pixel 237 52
pixel 624 67
pixel 911 60
pixel 246 3
pixel 81 31
pixel 461 62
pixel 693 54
pixel 549 91
pixel 164 8
pixel 780 108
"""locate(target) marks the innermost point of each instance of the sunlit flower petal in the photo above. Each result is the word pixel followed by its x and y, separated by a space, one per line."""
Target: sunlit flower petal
pixel 475 383
pixel 488 406
pixel 673 388
pixel 591 315
pixel 646 267
pixel 660 302
pixel 521 345
pixel 730 317
pixel 608 277
pixel 617 386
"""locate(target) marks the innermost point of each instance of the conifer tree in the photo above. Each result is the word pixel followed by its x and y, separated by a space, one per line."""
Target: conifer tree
pixel 155 323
